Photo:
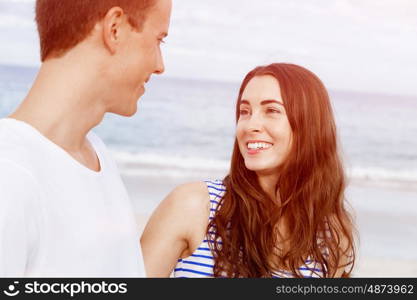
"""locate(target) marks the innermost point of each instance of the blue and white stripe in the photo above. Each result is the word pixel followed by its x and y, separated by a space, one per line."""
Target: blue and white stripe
pixel 200 264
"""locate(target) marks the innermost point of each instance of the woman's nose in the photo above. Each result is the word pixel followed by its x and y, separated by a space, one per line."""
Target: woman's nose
pixel 255 123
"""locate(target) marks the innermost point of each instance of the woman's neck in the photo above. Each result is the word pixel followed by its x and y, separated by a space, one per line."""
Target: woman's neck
pixel 268 183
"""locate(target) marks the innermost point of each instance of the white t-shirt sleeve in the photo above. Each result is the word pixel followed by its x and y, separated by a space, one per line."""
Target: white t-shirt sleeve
pixel 18 229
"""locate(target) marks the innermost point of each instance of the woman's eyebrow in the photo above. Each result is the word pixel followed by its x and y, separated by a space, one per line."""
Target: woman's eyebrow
pixel 269 101
pixel 263 102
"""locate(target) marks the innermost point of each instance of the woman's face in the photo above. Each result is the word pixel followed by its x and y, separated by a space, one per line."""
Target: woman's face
pixel 263 131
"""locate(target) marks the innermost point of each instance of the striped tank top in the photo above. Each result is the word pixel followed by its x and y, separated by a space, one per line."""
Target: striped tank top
pixel 200 264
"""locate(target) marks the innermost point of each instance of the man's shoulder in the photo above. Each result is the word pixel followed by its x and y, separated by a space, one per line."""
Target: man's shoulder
pixel 9 133
pixel 16 181
pixel 15 146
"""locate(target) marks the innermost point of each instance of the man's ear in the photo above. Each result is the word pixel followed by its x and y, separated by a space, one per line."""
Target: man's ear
pixel 112 28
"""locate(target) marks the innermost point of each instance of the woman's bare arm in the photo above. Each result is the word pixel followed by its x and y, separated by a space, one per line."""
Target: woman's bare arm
pixel 175 228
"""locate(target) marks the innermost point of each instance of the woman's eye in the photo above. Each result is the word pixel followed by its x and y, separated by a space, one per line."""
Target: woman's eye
pixel 243 112
pixel 273 110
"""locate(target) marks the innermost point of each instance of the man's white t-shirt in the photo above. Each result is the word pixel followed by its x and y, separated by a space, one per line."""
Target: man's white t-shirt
pixel 57 217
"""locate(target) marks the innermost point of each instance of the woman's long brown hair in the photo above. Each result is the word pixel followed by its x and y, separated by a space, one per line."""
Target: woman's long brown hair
pixel 311 188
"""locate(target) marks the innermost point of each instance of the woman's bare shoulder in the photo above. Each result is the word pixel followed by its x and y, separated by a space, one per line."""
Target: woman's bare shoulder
pixel 190 196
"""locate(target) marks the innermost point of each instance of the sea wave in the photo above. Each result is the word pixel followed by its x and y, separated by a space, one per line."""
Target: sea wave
pixel 150 164
pixel 380 174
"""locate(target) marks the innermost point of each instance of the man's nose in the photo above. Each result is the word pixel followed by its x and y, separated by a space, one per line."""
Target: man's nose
pixel 160 67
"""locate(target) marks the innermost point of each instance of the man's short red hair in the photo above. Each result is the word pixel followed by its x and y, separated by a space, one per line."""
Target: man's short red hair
pixel 62 24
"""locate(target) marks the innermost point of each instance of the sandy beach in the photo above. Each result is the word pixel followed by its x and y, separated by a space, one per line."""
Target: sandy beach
pixel 385 214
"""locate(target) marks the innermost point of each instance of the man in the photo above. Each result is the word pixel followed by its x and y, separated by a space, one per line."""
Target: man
pixel 64 209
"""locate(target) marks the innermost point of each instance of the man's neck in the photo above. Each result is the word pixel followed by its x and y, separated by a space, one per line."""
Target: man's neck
pixel 64 103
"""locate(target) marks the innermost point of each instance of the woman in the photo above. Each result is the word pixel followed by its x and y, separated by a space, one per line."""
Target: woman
pixel 280 211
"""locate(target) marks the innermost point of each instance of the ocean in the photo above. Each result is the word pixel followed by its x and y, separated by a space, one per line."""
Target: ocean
pixel 186 126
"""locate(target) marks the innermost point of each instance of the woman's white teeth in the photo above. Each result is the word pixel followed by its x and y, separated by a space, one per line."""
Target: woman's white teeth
pixel 259 145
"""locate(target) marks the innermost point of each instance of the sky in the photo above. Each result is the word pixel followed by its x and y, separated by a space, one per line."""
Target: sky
pixel 354 45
